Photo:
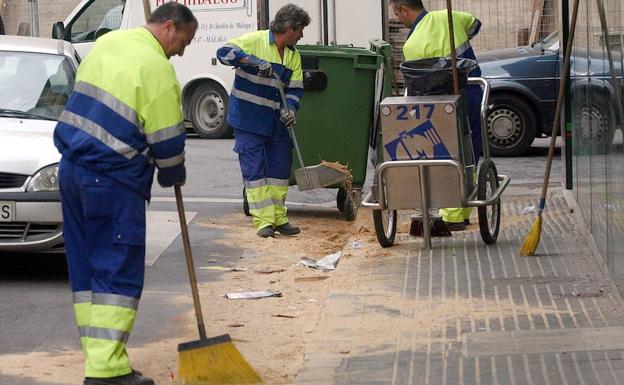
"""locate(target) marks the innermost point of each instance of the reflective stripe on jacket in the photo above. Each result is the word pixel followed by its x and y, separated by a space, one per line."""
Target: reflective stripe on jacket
pixel 430 37
pixel 123 117
pixel 254 100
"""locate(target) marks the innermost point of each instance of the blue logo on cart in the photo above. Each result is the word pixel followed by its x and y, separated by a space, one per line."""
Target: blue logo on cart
pixel 421 142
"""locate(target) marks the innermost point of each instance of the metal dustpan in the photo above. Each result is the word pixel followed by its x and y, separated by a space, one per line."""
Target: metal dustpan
pixel 317 176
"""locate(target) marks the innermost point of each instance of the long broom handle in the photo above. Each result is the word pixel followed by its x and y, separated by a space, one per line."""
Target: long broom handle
pixel 449 11
pixel 560 99
pixel 291 129
pixel 189 262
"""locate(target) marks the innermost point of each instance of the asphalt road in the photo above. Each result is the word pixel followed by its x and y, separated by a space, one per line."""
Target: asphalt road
pixel 35 299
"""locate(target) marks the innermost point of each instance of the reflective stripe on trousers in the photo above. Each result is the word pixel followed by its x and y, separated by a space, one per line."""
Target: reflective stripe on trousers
pixel 265 163
pixel 266 205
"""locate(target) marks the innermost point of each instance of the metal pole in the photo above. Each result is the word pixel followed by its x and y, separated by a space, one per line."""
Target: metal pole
pixel 424 201
pixel 34 20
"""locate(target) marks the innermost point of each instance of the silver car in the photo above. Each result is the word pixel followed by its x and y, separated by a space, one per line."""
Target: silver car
pixel 36 78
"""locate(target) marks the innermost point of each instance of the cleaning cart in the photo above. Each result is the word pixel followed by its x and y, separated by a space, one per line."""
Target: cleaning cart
pixel 428 164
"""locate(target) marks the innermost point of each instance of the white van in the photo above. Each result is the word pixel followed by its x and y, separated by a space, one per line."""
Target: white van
pixel 205 82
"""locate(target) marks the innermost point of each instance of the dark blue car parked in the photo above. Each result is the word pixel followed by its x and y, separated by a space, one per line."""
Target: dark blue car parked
pixel 525 83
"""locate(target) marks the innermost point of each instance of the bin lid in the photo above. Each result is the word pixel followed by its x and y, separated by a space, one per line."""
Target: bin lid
pixel 362 58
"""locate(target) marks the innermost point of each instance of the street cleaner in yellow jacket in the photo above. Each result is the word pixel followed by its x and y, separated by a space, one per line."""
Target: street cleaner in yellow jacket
pixel 258 117
pixel 122 120
pixel 429 38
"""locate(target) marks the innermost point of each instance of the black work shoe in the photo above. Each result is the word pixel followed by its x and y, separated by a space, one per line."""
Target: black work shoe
pixel 467 222
pixel 287 229
pixel 455 226
pixel 129 379
pixel 265 232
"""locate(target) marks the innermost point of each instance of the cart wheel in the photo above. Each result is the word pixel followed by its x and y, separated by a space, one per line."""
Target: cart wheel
pixel 245 203
pixel 489 216
pixel 385 226
pixel 346 204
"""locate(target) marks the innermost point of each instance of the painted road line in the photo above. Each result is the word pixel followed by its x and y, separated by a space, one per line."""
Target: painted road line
pixel 163 227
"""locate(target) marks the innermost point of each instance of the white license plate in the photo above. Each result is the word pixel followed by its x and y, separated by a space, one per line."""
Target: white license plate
pixel 7 211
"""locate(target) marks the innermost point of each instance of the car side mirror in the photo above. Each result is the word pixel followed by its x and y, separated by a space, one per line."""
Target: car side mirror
pixel 58 30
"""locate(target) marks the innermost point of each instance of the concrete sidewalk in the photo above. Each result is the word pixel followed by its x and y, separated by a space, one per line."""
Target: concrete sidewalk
pixel 466 313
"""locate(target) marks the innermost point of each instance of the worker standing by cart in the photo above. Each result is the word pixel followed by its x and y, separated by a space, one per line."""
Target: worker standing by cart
pixel 429 38
pixel 258 117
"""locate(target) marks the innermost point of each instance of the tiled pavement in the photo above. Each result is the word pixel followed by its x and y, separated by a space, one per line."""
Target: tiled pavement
pixel 466 313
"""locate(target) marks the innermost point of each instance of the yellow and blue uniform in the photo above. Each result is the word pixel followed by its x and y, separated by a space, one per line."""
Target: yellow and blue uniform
pixel 429 38
pixel 263 145
pixel 121 121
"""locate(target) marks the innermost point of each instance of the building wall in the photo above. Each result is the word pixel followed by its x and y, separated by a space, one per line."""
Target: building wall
pixel 15 12
pixel 597 141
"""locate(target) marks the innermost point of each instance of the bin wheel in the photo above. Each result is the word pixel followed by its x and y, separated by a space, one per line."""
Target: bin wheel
pixel 245 203
pixel 385 226
pixel 489 216
pixel 346 204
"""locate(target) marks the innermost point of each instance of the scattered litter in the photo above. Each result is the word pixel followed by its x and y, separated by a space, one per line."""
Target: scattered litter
pixel 253 294
pixel 269 271
pixel 312 300
pixel 326 263
pixel 236 325
pixel 223 268
pixel 249 254
pixel 284 316
pixel 576 294
pixel 356 245
pixel 311 279
pixel 528 210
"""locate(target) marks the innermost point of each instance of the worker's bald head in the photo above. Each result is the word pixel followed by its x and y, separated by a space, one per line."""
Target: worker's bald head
pixel 174 26
pixel 416 5
pixel 406 11
pixel 179 14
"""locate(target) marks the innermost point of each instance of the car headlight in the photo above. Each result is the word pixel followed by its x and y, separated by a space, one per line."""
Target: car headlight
pixel 45 179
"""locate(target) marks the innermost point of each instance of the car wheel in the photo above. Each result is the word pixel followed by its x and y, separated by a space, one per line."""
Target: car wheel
pixel 511 125
pixel 594 123
pixel 209 106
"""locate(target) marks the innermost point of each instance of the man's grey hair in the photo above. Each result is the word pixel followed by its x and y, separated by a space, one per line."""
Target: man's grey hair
pixel 413 4
pixel 289 16
pixel 180 14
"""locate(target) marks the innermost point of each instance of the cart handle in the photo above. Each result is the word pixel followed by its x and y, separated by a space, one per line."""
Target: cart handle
pixel 421 164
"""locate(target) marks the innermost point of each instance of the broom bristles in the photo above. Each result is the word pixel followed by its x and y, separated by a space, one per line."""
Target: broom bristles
pixel 221 363
pixel 532 239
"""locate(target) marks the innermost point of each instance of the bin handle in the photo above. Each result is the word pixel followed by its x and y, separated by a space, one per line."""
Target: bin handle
pixel 366 66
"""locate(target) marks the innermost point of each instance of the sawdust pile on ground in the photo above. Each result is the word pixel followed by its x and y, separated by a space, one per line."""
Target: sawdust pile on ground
pixel 272 332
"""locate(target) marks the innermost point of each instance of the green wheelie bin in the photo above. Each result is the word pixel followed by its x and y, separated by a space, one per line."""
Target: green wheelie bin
pixel 336 120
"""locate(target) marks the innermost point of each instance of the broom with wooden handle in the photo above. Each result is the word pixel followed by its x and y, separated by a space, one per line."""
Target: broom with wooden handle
pixel 208 361
pixel 533 237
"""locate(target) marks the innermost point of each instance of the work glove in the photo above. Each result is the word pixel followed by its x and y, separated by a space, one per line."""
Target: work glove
pixel 167 178
pixel 265 70
pixel 287 117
